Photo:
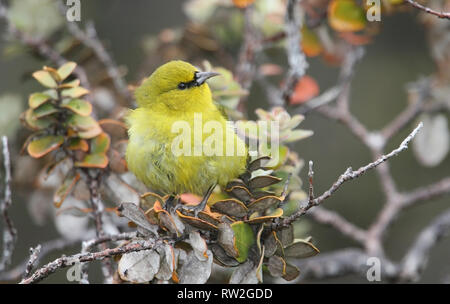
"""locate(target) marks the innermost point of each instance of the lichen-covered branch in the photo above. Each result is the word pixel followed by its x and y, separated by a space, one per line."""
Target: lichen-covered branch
pixel 9 231
pixel 34 255
pixel 444 15
pixel 296 57
pixel 67 261
pixel 349 174
pixel 416 259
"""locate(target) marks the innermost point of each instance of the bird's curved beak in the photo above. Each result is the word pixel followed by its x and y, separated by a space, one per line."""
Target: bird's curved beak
pixel 201 77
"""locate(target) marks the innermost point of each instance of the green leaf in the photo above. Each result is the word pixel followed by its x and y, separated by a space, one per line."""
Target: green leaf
pixel 45 79
pixel 244 239
pixel 298 135
pixel 78 144
pixel 43 145
pixel 75 92
pixel 101 143
pixel 311 45
pixel 66 69
pixel 34 123
pixel 86 126
pixel 45 110
pixel 97 160
pixel 70 84
pixel 52 73
pixel 346 16
pixel 78 106
pixel 37 99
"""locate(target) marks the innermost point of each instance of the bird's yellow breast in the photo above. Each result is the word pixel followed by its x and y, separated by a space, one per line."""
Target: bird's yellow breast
pixel 164 145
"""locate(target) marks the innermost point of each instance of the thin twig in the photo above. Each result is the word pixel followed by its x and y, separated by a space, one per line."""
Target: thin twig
pixel 296 57
pixel 442 14
pixel 333 219
pixel 34 255
pixel 67 261
pixel 98 209
pixel 245 68
pixel 349 174
pixel 342 262
pixel 426 193
pixel 421 89
pixel 417 257
pixel 42 48
pixel 87 246
pixel 9 231
pixel 48 247
pixel 90 39
pixel 310 178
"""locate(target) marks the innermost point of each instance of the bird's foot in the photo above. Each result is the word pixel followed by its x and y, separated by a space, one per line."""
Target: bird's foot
pixel 169 204
pixel 197 208
pixel 200 207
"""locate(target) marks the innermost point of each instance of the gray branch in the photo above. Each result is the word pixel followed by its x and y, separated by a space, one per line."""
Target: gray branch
pixel 9 231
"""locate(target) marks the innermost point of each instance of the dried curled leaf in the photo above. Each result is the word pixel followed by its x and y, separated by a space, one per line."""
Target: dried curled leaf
pixel 227 240
pixel 276 266
pixel 246 273
pixel 231 207
pixel 196 222
pixel 136 215
pixel 263 181
pixel 198 245
pixel 195 271
pixel 291 272
pixel 67 186
pixel 432 143
pixel 242 193
pixel 221 257
pixel 301 249
pixel 262 204
pixel 139 267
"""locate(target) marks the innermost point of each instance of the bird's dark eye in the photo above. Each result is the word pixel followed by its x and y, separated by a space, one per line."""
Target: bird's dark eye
pixel 182 86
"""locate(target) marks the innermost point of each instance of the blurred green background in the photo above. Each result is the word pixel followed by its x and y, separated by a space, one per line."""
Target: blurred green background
pixel 397 56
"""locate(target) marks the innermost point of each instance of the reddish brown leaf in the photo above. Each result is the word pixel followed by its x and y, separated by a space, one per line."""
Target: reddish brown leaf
pixel 305 89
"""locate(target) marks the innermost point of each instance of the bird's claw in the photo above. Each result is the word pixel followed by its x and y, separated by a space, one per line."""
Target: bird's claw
pixel 197 208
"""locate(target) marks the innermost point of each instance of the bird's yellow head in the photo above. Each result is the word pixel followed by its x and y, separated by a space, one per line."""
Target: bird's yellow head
pixel 177 86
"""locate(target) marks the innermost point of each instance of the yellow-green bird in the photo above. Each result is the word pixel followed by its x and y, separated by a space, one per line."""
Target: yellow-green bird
pixel 173 101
